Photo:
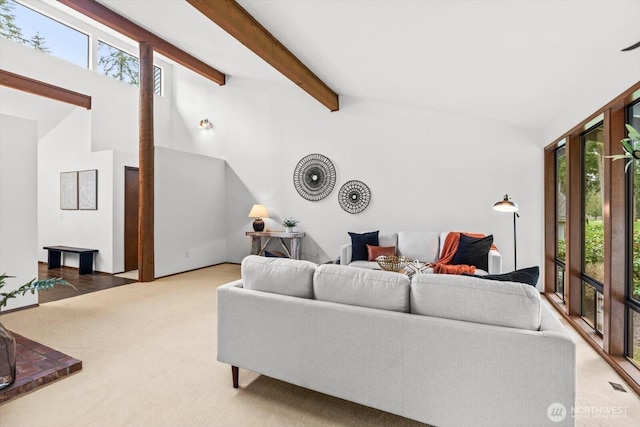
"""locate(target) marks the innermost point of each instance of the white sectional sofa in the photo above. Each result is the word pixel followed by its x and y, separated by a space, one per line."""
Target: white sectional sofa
pixel 425 246
pixel 441 349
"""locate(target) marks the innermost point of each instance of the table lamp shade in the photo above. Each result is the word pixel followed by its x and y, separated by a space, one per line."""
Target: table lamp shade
pixel 258 212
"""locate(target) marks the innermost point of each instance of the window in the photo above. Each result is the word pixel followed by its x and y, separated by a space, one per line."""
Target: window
pixel 592 142
pixel 633 248
pixel 26 26
pixel 123 66
pixel 560 216
pixel 597 270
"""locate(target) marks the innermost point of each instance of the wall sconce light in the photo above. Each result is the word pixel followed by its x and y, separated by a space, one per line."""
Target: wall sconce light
pixel 205 124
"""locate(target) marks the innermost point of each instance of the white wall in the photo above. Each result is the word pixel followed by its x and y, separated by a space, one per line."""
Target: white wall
pixel 67 147
pixel 18 205
pixel 426 170
pixel 190 229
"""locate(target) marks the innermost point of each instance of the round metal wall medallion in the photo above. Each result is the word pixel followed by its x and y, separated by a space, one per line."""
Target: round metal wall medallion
pixel 314 177
pixel 354 196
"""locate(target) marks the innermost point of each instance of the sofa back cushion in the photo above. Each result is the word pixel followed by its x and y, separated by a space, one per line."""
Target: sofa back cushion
pixel 278 275
pixel 357 286
pixel 510 304
pixel 420 245
pixel 388 239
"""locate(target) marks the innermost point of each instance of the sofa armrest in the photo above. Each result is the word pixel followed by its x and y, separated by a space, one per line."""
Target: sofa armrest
pixel 495 262
pixel 346 252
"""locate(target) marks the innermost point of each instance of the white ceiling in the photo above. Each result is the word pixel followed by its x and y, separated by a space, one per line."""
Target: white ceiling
pixel 517 61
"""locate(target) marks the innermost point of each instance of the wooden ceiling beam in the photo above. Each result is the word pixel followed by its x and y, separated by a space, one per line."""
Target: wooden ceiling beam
pixel 119 23
pixel 235 20
pixel 36 87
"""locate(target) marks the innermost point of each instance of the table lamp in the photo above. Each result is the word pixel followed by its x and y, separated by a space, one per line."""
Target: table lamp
pixel 258 212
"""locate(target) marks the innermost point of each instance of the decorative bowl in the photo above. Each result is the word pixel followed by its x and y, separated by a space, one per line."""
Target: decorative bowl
pixel 392 262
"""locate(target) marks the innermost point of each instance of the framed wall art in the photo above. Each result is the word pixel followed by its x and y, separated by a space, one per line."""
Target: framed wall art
pixel 88 189
pixel 69 190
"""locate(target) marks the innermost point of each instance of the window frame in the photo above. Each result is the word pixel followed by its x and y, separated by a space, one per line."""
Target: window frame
pixel 557 261
pixel 631 304
pixel 611 344
pixel 585 278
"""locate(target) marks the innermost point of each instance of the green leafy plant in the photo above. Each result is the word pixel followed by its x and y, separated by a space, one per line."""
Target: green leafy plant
pixel 290 222
pixel 631 147
pixel 32 286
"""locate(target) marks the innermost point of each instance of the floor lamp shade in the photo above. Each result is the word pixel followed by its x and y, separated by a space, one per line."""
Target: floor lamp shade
pixel 258 212
pixel 509 206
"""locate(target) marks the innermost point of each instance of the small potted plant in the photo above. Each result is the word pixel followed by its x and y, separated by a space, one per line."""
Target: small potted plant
pixel 7 340
pixel 289 224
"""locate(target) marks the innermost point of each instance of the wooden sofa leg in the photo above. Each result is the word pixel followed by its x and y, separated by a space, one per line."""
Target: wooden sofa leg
pixel 234 375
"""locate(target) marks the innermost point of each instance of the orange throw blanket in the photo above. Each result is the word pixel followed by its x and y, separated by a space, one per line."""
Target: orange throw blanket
pixel 449 249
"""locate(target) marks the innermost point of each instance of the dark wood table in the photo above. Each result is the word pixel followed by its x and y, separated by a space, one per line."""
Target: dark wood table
pixel 85 262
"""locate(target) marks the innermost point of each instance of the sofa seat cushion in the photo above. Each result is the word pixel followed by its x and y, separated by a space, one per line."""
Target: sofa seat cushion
pixel 420 245
pixel 278 275
pixel 362 287
pixel 471 299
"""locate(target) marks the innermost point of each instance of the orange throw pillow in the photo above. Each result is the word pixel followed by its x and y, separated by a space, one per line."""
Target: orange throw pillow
pixel 375 251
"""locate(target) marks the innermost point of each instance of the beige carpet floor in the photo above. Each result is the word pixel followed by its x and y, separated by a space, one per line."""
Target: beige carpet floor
pixel 149 359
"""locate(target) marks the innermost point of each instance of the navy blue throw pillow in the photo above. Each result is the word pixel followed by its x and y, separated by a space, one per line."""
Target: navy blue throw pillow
pixel 359 244
pixel 474 251
pixel 525 275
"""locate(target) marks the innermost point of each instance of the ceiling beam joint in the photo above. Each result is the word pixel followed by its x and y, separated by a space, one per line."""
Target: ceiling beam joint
pixel 236 21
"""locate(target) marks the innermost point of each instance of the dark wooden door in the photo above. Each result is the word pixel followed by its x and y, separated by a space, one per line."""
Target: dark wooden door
pixel 131 187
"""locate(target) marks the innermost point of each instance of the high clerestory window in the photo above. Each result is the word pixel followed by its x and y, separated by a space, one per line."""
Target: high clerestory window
pixel 123 66
pixel 24 25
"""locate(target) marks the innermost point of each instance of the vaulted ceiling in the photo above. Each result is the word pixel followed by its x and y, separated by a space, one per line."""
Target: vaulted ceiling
pixel 511 61
pixel 519 62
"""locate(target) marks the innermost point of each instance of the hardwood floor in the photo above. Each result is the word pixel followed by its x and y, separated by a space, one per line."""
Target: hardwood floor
pixel 85 283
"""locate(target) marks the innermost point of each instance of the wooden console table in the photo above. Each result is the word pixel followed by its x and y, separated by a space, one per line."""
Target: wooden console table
pixel 257 248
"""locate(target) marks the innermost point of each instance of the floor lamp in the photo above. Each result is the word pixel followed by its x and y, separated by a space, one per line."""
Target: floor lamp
pixel 506 205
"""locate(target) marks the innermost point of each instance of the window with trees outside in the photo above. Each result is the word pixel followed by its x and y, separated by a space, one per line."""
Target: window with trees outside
pixel 28 27
pixel 123 66
pixel 592 231
pixel 592 226
pixel 633 237
pixel 560 216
